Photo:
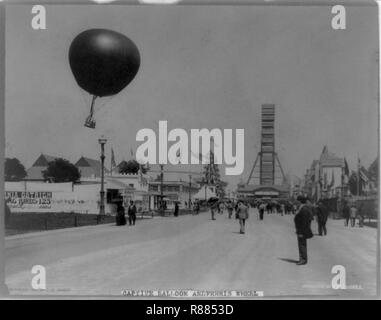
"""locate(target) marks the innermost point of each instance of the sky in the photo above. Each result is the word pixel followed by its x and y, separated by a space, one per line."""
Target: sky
pixel 201 67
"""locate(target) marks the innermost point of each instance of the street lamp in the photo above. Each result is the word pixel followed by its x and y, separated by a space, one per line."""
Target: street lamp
pixel 102 141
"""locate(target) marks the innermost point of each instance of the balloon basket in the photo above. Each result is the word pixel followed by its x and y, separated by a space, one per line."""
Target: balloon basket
pixel 90 123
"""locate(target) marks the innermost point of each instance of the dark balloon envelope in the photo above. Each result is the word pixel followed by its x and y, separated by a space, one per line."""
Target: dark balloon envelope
pixel 103 61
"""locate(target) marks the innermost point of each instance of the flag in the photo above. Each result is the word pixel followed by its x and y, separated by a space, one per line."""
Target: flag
pixel 363 175
pixel 325 180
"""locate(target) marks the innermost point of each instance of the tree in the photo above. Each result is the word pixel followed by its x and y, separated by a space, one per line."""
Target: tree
pixel 220 188
pixel 14 170
pixel 131 166
pixel 61 170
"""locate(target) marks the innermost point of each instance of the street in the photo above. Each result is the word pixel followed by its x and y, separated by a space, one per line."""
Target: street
pixel 193 252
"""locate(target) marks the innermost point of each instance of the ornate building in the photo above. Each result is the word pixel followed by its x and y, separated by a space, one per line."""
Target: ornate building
pixel 325 177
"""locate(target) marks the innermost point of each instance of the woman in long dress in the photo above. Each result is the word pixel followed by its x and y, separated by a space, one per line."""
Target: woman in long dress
pixel 120 215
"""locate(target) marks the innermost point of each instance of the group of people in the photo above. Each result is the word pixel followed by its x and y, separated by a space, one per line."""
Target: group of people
pixel 195 209
pixel 351 213
pixel 241 211
pixel 121 214
pixel 305 212
pixel 275 207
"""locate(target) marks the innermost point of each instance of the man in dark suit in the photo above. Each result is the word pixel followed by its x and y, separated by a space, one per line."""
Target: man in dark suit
pixel 346 213
pixel 322 217
pixel 131 213
pixel 302 222
pixel 176 212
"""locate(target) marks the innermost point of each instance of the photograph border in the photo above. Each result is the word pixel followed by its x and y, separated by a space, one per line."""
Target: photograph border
pixel 4 4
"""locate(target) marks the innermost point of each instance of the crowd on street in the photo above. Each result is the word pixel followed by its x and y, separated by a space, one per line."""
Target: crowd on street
pixel 303 210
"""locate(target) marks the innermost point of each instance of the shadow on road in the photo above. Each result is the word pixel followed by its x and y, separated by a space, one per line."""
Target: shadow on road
pixel 288 260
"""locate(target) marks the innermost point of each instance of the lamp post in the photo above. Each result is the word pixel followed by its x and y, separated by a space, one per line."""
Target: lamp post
pixel 102 141
pixel 162 190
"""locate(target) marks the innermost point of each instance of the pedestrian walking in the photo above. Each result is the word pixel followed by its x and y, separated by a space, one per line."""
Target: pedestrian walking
pixel 220 208
pixel 213 208
pixel 131 213
pixel 120 214
pixel 176 212
pixel 282 209
pixel 361 214
pixel 353 214
pixel 243 214
pixel 230 209
pixel 302 222
pixel 346 214
pixel 268 208
pixel 288 208
pixel 262 207
pixel 196 207
pixel 322 217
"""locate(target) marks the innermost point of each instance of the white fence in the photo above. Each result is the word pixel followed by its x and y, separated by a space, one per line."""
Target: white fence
pixel 52 197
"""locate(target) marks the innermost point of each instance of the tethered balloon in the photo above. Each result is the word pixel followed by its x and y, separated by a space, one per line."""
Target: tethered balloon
pixel 103 63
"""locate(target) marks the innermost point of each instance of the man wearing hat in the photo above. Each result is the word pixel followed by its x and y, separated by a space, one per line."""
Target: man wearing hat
pixel 302 222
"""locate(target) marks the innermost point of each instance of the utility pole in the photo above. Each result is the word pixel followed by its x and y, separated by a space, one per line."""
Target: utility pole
pixel 358 176
pixel 111 166
pixel 161 189
pixel 102 142
pixel 342 184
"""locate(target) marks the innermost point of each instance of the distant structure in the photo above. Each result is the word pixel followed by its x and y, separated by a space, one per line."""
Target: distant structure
pixel 296 185
pixel 34 173
pixel 89 168
pixel 267 179
pixel 326 177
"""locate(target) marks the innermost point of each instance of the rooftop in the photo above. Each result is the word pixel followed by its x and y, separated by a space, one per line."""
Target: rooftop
pixel 329 159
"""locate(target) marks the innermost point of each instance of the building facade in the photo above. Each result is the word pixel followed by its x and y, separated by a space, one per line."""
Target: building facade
pixel 325 177
pixel 173 191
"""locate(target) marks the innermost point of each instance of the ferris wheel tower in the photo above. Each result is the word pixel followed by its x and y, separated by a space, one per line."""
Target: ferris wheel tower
pixel 267 169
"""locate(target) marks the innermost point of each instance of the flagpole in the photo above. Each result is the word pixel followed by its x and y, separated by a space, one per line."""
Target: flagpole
pixel 358 175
